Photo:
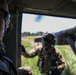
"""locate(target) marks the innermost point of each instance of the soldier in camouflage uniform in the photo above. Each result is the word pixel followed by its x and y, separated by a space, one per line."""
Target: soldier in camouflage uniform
pixel 50 61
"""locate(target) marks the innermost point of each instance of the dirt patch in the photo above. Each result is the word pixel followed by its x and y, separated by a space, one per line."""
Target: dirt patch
pixel 29 41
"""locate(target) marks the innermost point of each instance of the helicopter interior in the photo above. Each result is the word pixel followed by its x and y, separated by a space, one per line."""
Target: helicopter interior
pixel 60 8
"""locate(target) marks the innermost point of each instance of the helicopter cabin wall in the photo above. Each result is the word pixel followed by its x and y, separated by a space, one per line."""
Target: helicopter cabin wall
pixel 12 39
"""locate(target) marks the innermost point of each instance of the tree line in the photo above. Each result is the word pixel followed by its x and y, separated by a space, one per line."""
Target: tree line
pixel 31 34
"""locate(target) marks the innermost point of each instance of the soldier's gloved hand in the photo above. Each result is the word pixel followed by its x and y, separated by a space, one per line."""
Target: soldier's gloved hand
pixel 24 70
pixel 23 49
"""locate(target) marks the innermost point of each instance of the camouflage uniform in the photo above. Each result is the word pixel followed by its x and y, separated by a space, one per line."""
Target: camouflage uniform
pixel 50 61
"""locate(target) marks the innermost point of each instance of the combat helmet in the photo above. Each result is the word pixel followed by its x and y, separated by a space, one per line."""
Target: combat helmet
pixel 49 38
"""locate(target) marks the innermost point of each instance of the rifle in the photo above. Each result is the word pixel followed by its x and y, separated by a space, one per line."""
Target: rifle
pixel 67 36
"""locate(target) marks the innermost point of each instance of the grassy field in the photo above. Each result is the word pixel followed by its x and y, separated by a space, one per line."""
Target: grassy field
pixel 69 56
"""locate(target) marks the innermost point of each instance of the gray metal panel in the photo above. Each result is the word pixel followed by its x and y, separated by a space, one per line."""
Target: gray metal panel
pixel 12 41
pixel 54 7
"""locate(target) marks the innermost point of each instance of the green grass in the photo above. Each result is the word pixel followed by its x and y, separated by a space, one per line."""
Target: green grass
pixel 27 45
pixel 32 63
pixel 69 56
pixel 28 61
pixel 31 37
pixel 70 60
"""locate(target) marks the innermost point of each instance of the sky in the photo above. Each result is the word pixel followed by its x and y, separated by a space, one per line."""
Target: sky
pixel 35 23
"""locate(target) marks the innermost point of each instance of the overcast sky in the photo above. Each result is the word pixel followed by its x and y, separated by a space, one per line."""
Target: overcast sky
pixel 34 23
